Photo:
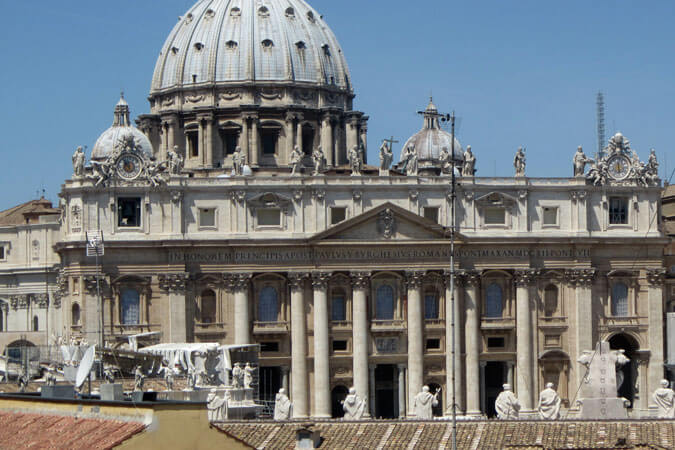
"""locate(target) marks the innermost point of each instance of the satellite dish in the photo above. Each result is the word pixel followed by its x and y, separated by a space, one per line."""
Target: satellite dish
pixel 85 366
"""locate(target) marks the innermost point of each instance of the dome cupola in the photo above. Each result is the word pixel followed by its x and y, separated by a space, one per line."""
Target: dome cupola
pixel 121 130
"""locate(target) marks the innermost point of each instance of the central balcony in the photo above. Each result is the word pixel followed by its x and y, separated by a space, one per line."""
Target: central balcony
pixel 387 326
pixel 270 327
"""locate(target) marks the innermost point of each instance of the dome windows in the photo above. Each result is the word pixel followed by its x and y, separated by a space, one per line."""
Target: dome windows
pixel 326 49
pixel 174 50
pixel 199 46
pixel 188 18
pixel 310 16
pixel 267 44
pixel 210 14
pixel 300 45
pixel 263 11
pixel 235 12
pixel 290 13
pixel 231 45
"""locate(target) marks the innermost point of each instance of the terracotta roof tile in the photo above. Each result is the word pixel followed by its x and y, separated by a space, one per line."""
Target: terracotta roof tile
pixel 42 431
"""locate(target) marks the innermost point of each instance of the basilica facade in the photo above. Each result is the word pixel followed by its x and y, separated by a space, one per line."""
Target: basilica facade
pixel 242 210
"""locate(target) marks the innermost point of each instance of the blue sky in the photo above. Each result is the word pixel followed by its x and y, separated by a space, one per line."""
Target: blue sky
pixel 516 73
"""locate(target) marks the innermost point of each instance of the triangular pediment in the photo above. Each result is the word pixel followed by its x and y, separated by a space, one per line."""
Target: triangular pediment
pixel 387 222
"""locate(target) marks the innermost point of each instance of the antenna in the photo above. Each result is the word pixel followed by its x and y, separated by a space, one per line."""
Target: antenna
pixel 600 104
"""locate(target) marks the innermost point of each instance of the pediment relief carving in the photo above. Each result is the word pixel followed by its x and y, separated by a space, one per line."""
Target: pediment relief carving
pixel 269 200
pixel 496 199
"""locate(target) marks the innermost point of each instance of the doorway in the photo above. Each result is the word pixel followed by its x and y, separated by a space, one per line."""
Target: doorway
pixel 626 375
pixel 386 391
pixel 337 396
pixel 495 377
pixel 269 383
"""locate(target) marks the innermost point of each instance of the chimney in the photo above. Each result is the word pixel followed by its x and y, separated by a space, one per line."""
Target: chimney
pixel 307 437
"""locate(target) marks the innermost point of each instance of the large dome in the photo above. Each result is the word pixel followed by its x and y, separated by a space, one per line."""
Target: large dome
pixel 429 141
pixel 235 41
pixel 120 130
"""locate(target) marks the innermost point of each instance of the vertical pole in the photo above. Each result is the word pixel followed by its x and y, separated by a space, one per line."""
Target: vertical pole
pixel 452 280
pixel 99 300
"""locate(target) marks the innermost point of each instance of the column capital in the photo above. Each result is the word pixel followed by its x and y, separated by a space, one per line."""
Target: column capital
pixel 656 277
pixel 413 278
pixel 297 280
pixel 173 282
pixel 526 277
pixel 472 278
pixel 237 281
pixel 460 277
pixel 360 280
pixel 320 280
pixel 580 277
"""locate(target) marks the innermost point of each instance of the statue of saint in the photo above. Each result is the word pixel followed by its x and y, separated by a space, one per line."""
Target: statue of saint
pixel 282 406
pixel 424 403
pixel 168 374
pixel 519 162
pixel 318 159
pixel 410 157
pixel 579 162
pixel 652 163
pixel 355 158
pixel 174 161
pixel 549 403
pixel 78 162
pixel 386 156
pixel 507 405
pixel 444 160
pixel 216 406
pixel 469 166
pixel 237 376
pixel 248 375
pixel 664 397
pixel 139 379
pixel 238 161
pixel 354 406
pixel 296 160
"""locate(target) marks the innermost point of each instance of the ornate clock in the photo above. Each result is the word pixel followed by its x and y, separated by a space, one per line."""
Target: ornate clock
pixel 129 166
pixel 618 167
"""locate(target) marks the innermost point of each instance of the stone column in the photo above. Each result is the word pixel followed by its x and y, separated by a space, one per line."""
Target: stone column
pixel 482 395
pixel 290 139
pixel 208 163
pixel 322 402
pixel 174 286
pixel 254 150
pixel 352 123
pixel 415 336
pixel 360 284
pixel 472 343
pixel 524 370
pixel 459 362
pixel 401 390
pixel 298 134
pixel 284 378
pixel 656 278
pixel 371 383
pixel 239 284
pixel 327 141
pixel 509 372
pixel 245 141
pixel 299 384
pixel 582 281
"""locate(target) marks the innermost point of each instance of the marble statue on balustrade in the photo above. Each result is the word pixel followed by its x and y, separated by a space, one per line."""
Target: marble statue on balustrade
pixel 410 166
pixel 444 160
pixel 519 162
pixel 507 404
pixel 238 161
pixel 168 373
pixel 318 161
pixel 354 406
pixel 237 376
pixel 424 403
pixel 355 158
pixel 469 166
pixel 174 161
pixel 549 403
pixel 216 406
pixel 282 406
pixel 599 398
pixel 248 375
pixel 191 379
pixel 78 162
pixel 296 161
pixel 386 157
pixel 579 162
pixel 139 379
pixel 664 397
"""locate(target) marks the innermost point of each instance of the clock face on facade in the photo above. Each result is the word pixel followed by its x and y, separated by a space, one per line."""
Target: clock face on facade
pixel 618 167
pixel 129 166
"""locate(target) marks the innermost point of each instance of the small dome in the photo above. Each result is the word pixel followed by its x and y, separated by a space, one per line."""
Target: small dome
pixel 120 130
pixel 235 41
pixel 431 139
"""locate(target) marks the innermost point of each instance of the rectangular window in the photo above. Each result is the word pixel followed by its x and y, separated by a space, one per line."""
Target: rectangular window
pixel 550 215
pixel 207 217
pixel 338 311
pixel 129 212
pixel 269 347
pixel 193 143
pixel 431 213
pixel 307 140
pixel 618 211
pixel 337 214
pixel 2 252
pixel 269 217
pixel 230 140
pixel 268 139
pixel 339 346
pixel 495 216
pixel 433 344
pixel 495 342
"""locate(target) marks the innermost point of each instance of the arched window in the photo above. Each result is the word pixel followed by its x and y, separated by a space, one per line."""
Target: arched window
pixel 75 314
pixel 620 300
pixel 430 305
pixel 36 323
pixel 550 301
pixel 494 301
pixel 268 305
pixel 385 303
pixel 208 306
pixel 338 311
pixel 131 307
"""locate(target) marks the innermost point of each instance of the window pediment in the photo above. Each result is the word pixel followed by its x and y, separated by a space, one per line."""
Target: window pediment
pixel 269 200
pixel 496 199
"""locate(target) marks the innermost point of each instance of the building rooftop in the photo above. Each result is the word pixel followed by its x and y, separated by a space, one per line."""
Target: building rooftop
pixel 28 213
